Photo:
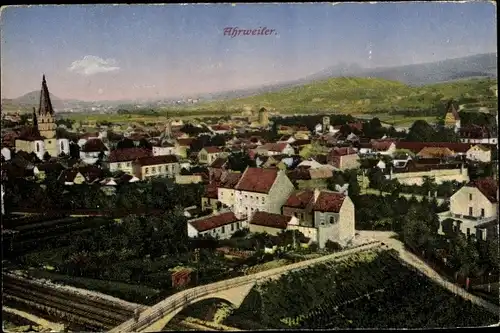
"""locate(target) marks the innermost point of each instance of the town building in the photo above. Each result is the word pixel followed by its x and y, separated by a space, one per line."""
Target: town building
pixel 452 118
pixel 479 153
pixel 220 225
pixel 270 223
pixel 42 138
pixel 208 155
pixel 164 148
pixel 270 149
pixel 261 190
pixel 156 166
pixel 92 150
pixel 343 158
pixel 121 159
pixel 330 213
pixel 226 193
pixel 473 209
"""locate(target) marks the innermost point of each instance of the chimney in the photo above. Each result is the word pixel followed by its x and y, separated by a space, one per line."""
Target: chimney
pixel 316 194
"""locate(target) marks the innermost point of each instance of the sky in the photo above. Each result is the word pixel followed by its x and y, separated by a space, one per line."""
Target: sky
pixel 106 52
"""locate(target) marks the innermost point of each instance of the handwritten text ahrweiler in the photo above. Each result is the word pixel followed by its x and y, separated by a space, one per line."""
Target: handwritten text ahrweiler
pixel 235 31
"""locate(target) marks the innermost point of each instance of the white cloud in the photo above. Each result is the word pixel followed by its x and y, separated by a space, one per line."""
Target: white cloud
pixel 90 65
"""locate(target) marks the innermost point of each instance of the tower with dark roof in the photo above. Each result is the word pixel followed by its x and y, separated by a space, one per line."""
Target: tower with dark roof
pixel 45 117
pixel 452 118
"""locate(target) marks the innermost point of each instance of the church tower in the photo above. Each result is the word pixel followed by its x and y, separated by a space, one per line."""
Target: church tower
pixel 46 121
pixel 45 118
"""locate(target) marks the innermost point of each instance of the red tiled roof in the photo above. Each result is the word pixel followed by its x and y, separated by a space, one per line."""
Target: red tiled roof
pixel 128 154
pixel 418 146
pixel 155 160
pixel 381 145
pixel 300 199
pixel 212 150
pixel 329 202
pixel 487 186
pixel 210 191
pixel 220 128
pixel 89 135
pixel 270 220
pixel 219 162
pixel 94 145
pixel 230 180
pixel 214 221
pixel 185 141
pixel 276 147
pixel 342 151
pixel 257 180
pixel 30 133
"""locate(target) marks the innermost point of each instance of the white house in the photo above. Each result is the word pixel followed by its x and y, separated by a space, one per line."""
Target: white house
pixel 270 149
pixel 91 150
pixel 121 159
pixel 312 164
pixel 472 207
pixel 226 193
pixel 384 147
pixel 219 225
pixel 165 148
pixel 6 153
pixel 261 190
pixel 270 223
pixel 479 153
pixel 330 213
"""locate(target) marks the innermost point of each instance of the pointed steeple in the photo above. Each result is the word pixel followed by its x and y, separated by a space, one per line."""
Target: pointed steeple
pixel 45 106
pixel 35 120
pixel 451 109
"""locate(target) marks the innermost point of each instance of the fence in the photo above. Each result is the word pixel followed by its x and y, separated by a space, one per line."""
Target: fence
pixel 182 298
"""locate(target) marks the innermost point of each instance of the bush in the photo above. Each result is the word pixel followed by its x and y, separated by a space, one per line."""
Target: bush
pixel 313 247
pixel 332 246
pixel 241 233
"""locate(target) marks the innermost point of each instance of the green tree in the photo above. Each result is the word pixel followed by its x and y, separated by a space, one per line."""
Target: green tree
pixel 421 131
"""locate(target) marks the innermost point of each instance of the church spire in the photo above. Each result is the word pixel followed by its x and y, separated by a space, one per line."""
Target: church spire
pixel 35 120
pixel 45 106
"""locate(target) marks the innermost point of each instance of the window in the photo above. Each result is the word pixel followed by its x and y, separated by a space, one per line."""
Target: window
pixel 223 229
pixel 37 146
pixel 468 232
pixel 482 212
pixel 232 194
pixel 479 234
pixel 153 169
pixel 470 211
pixel 295 214
pixel 470 197
pixel 246 196
pixel 62 146
pixel 119 165
pixel 146 170
pixel 332 219
pixel 251 197
pixel 232 226
pixel 263 200
pixel 129 164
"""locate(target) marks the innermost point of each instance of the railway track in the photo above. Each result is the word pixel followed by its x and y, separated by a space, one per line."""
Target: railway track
pixel 92 314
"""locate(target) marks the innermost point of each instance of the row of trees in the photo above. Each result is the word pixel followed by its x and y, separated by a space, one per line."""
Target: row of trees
pixel 160 194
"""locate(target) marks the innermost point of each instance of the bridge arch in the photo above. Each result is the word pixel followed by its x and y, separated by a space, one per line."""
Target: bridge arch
pixel 234 296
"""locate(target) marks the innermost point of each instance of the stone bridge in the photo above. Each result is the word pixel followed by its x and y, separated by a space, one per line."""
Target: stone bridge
pixel 233 290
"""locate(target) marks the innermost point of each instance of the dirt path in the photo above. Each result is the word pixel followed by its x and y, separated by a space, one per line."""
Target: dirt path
pixel 54 327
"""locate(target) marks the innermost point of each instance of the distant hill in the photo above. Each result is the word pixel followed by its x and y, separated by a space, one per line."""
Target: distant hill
pixel 364 95
pixel 480 65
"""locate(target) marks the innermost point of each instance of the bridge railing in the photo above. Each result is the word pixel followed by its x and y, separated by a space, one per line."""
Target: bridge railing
pixel 180 299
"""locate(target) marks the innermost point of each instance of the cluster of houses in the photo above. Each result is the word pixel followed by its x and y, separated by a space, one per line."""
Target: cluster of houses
pixel 284 189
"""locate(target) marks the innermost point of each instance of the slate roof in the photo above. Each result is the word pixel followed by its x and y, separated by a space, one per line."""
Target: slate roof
pixel 230 180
